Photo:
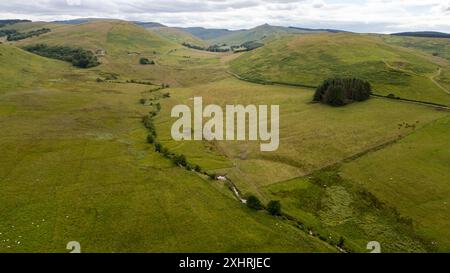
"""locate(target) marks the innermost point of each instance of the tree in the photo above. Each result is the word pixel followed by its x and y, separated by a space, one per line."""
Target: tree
pixel 151 139
pixel 274 207
pixel 335 96
pixel 180 160
pixel 158 147
pixel 254 203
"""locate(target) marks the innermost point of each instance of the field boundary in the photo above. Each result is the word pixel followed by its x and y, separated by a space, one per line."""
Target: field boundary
pixel 264 82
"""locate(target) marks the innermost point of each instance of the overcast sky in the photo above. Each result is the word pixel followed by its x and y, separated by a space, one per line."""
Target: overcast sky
pixel 381 16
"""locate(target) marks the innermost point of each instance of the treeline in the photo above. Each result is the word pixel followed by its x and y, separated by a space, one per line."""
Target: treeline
pixel 16 36
pixel 251 45
pixel 77 56
pixel 247 46
pixel 213 48
pixel 7 32
pixel 340 92
pixel 12 22
pixel 424 34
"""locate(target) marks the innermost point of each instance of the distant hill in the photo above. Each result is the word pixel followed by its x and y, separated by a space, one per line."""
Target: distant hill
pixel 309 59
pixel 263 33
pixel 425 34
pixel 72 22
pixel 12 22
pixel 321 30
pixel 149 24
pixel 178 36
pixel 207 33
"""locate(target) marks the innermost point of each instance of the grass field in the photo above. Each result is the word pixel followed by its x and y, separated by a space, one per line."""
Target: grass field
pixel 413 177
pixel 309 59
pixel 313 136
pixel 75 164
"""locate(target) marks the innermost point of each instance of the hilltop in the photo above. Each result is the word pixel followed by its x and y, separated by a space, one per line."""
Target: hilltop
pixel 309 59
pixel 425 34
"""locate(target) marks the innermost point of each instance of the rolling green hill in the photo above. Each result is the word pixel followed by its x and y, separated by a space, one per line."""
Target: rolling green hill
pixel 21 69
pixel 75 164
pixel 263 33
pixel 309 59
pixel 178 36
pixel 439 47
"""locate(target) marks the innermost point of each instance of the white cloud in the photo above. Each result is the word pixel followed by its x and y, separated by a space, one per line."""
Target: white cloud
pixel 354 15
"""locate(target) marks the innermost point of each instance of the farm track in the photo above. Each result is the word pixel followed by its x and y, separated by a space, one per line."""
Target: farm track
pixel 433 79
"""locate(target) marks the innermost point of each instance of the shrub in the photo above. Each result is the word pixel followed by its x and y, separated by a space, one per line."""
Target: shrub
pixel 158 147
pixel 274 207
pixel 151 139
pixel 180 160
pixel 254 203
pixel 341 242
pixel 145 61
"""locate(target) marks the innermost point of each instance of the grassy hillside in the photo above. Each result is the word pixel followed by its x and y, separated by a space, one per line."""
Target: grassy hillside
pixel 75 166
pixel 123 44
pixel 309 59
pixel 21 69
pixel 435 46
pixel 261 33
pixel 413 176
pixel 313 137
pixel 207 33
pixel 178 36
pixel 75 163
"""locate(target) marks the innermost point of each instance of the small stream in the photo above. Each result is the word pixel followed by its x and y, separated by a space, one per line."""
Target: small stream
pixel 233 188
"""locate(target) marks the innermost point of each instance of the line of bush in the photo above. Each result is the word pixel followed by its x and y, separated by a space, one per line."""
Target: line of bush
pixel 77 56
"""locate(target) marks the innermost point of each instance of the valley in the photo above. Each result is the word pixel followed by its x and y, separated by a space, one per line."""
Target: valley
pixel 76 164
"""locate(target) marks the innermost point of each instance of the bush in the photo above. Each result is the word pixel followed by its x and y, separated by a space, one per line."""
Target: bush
pixel 180 160
pixel 145 61
pixel 339 92
pixel 158 147
pixel 254 203
pixel 274 207
pixel 151 139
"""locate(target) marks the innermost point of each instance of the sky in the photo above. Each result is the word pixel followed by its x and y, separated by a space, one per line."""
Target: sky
pixel 379 16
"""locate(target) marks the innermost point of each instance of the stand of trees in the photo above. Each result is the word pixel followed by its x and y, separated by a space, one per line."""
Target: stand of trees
pixel 24 35
pixel 340 92
pixel 77 56
pixel 12 22
pixel 247 46
pixel 7 32
pixel 213 48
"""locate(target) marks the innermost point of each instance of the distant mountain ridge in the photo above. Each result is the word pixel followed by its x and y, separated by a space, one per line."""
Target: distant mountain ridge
pixel 149 24
pixel 322 30
pixel 425 34
pixel 207 33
